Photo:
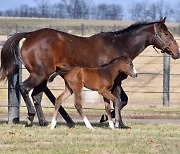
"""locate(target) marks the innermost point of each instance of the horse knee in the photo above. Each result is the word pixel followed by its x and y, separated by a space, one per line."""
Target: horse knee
pixel 124 103
pixel 36 100
pixel 124 99
pixel 23 89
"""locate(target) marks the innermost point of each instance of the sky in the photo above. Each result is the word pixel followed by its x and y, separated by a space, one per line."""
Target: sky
pixel 8 4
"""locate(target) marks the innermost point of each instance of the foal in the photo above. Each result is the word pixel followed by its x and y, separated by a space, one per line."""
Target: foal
pixel 97 79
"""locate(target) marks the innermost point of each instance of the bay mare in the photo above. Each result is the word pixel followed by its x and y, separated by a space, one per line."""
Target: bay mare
pixel 46 50
pixel 99 79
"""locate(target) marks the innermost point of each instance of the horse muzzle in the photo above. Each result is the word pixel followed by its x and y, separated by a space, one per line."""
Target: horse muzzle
pixel 176 55
pixel 135 73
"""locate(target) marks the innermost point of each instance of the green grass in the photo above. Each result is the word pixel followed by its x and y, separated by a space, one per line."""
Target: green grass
pixel 140 139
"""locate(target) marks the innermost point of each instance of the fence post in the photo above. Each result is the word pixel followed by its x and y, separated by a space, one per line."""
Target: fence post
pixel 14 94
pixel 166 79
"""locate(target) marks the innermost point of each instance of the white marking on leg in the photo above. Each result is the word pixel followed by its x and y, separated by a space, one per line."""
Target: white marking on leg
pixel 87 123
pixel 53 123
pixel 111 124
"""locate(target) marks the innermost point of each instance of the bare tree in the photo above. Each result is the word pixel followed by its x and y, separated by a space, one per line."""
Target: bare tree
pixel 139 11
pixel 108 12
pixel 153 7
pixel 24 10
pixel 33 12
pixel 77 9
pixel 59 11
pixel 177 12
pixel 44 8
pixel 9 13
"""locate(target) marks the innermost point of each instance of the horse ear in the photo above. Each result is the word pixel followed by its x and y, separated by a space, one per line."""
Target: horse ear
pixel 162 20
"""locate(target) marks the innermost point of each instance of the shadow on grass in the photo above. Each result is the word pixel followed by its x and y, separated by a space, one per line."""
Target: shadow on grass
pixel 94 124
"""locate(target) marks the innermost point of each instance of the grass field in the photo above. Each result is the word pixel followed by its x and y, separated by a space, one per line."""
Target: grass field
pixel 142 139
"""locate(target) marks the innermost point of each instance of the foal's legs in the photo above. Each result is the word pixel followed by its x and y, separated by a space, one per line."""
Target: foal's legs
pixel 62 97
pixel 123 99
pixel 37 97
pixel 78 105
pixel 77 87
pixel 107 94
pixel 32 81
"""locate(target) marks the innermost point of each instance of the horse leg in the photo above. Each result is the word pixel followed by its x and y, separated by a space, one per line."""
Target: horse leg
pixel 122 97
pixel 108 96
pixel 108 111
pixel 66 93
pixel 78 105
pixel 37 97
pixel 104 117
pixel 32 81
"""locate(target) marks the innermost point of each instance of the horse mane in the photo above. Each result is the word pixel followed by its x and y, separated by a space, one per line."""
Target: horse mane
pixel 132 28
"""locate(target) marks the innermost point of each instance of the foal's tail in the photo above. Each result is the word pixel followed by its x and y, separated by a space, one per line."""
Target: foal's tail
pixel 59 72
pixel 9 53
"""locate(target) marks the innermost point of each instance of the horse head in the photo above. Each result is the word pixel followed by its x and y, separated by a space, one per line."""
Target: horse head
pixel 164 40
pixel 130 69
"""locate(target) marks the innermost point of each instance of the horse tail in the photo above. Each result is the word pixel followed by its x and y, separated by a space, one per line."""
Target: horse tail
pixel 59 72
pixel 9 53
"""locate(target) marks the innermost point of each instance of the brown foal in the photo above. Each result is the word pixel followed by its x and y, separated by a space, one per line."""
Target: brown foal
pixel 98 79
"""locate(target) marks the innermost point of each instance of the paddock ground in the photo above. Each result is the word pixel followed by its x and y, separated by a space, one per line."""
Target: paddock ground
pixel 152 131
pixel 150 115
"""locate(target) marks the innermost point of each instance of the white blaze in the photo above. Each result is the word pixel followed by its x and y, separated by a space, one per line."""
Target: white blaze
pixel 134 70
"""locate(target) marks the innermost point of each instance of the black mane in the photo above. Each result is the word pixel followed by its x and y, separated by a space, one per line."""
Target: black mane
pixel 131 28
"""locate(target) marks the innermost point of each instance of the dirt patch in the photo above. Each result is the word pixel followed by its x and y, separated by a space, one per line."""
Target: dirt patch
pixel 127 118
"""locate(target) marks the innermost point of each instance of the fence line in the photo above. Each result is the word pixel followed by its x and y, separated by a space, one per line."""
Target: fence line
pixel 142 73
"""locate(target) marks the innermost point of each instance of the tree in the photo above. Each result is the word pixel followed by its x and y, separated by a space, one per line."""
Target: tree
pixel 139 11
pixel 44 8
pixel 177 12
pixel 24 10
pixel 59 11
pixel 108 12
pixel 77 9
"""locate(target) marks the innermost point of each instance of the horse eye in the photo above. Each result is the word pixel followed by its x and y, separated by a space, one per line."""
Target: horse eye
pixel 166 34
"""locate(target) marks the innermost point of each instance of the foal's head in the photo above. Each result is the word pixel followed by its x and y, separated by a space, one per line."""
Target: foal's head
pixel 128 67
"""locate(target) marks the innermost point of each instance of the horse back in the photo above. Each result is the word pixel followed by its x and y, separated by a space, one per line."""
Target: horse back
pixel 52 49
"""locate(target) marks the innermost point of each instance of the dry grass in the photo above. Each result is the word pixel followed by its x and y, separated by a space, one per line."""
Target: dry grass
pixel 148 139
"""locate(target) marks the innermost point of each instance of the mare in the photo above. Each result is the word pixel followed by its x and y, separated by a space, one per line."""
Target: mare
pixel 99 79
pixel 46 50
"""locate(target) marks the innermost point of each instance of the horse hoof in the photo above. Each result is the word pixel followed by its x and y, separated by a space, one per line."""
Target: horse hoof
pixel 28 122
pixel 122 127
pixel 103 118
pixel 125 127
pixel 71 125
pixel 43 123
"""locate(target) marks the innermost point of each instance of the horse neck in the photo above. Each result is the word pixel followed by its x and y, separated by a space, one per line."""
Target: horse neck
pixel 133 43
pixel 115 68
